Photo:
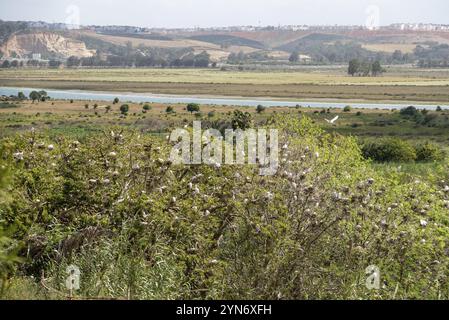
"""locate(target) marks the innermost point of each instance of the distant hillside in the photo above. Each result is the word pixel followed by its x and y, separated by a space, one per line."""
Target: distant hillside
pixel 128 46
pixel 314 38
pixel 147 36
pixel 7 28
pixel 225 40
pixel 49 45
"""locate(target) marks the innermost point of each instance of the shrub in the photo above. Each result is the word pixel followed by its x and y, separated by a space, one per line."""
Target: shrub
pixel 169 109
pixel 347 109
pixel 429 152
pixel 124 109
pixel 241 120
pixel 409 111
pixel 389 149
pixel 142 227
pixel 193 107
pixel 260 108
pixel 146 107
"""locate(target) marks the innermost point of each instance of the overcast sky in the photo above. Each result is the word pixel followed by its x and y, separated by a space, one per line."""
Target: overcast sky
pixel 204 13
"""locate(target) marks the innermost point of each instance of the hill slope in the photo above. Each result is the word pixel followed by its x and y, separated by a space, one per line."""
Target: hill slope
pixel 48 44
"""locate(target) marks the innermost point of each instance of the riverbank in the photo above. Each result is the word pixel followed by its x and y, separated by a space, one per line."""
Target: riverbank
pixel 313 85
pixel 210 100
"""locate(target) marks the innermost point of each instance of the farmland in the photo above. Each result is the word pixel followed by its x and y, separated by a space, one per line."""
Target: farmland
pixel 400 84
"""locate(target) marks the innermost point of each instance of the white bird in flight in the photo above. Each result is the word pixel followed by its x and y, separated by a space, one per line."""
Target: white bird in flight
pixel 333 120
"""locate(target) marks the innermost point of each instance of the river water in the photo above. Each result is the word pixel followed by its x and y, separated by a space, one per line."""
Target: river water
pixel 220 101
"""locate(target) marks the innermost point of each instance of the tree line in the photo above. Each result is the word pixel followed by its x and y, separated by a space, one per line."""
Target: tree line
pixel 365 68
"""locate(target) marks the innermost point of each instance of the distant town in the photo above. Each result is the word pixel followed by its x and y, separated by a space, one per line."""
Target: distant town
pixel 133 29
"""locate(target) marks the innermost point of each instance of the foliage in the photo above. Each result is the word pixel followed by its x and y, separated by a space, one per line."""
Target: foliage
pixel 389 149
pixel 169 109
pixel 409 111
pixel 8 246
pixel 193 107
pixel 365 68
pixel 34 95
pixel 124 108
pixel 260 108
pixel 141 227
pixel 294 57
pixel 241 120
pixel 429 152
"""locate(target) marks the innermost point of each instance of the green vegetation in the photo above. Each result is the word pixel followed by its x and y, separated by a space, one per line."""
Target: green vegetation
pixel 193 107
pixel 429 152
pixel 389 150
pixel 241 120
pixel 365 68
pixel 139 227
pixel 8 105
pixel 260 108
pixel 124 108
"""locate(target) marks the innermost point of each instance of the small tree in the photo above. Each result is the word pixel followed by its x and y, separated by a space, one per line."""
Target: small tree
pixel 116 100
pixel 34 95
pixel 347 109
pixel 260 108
pixel 354 67
pixel 294 57
pixel 146 107
pixel 43 95
pixel 169 109
pixel 376 68
pixel 409 111
pixel 124 109
pixel 21 96
pixel 6 64
pixel 108 108
pixel 193 107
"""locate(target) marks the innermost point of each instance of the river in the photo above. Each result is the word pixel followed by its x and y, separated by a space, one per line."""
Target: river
pixel 174 99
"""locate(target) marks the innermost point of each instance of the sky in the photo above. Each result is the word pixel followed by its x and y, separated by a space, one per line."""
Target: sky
pixel 216 13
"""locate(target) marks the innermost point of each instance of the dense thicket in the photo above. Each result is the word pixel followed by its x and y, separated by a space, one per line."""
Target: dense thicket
pixel 139 227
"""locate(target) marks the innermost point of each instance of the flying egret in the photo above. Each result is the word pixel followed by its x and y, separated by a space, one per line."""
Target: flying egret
pixel 333 120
